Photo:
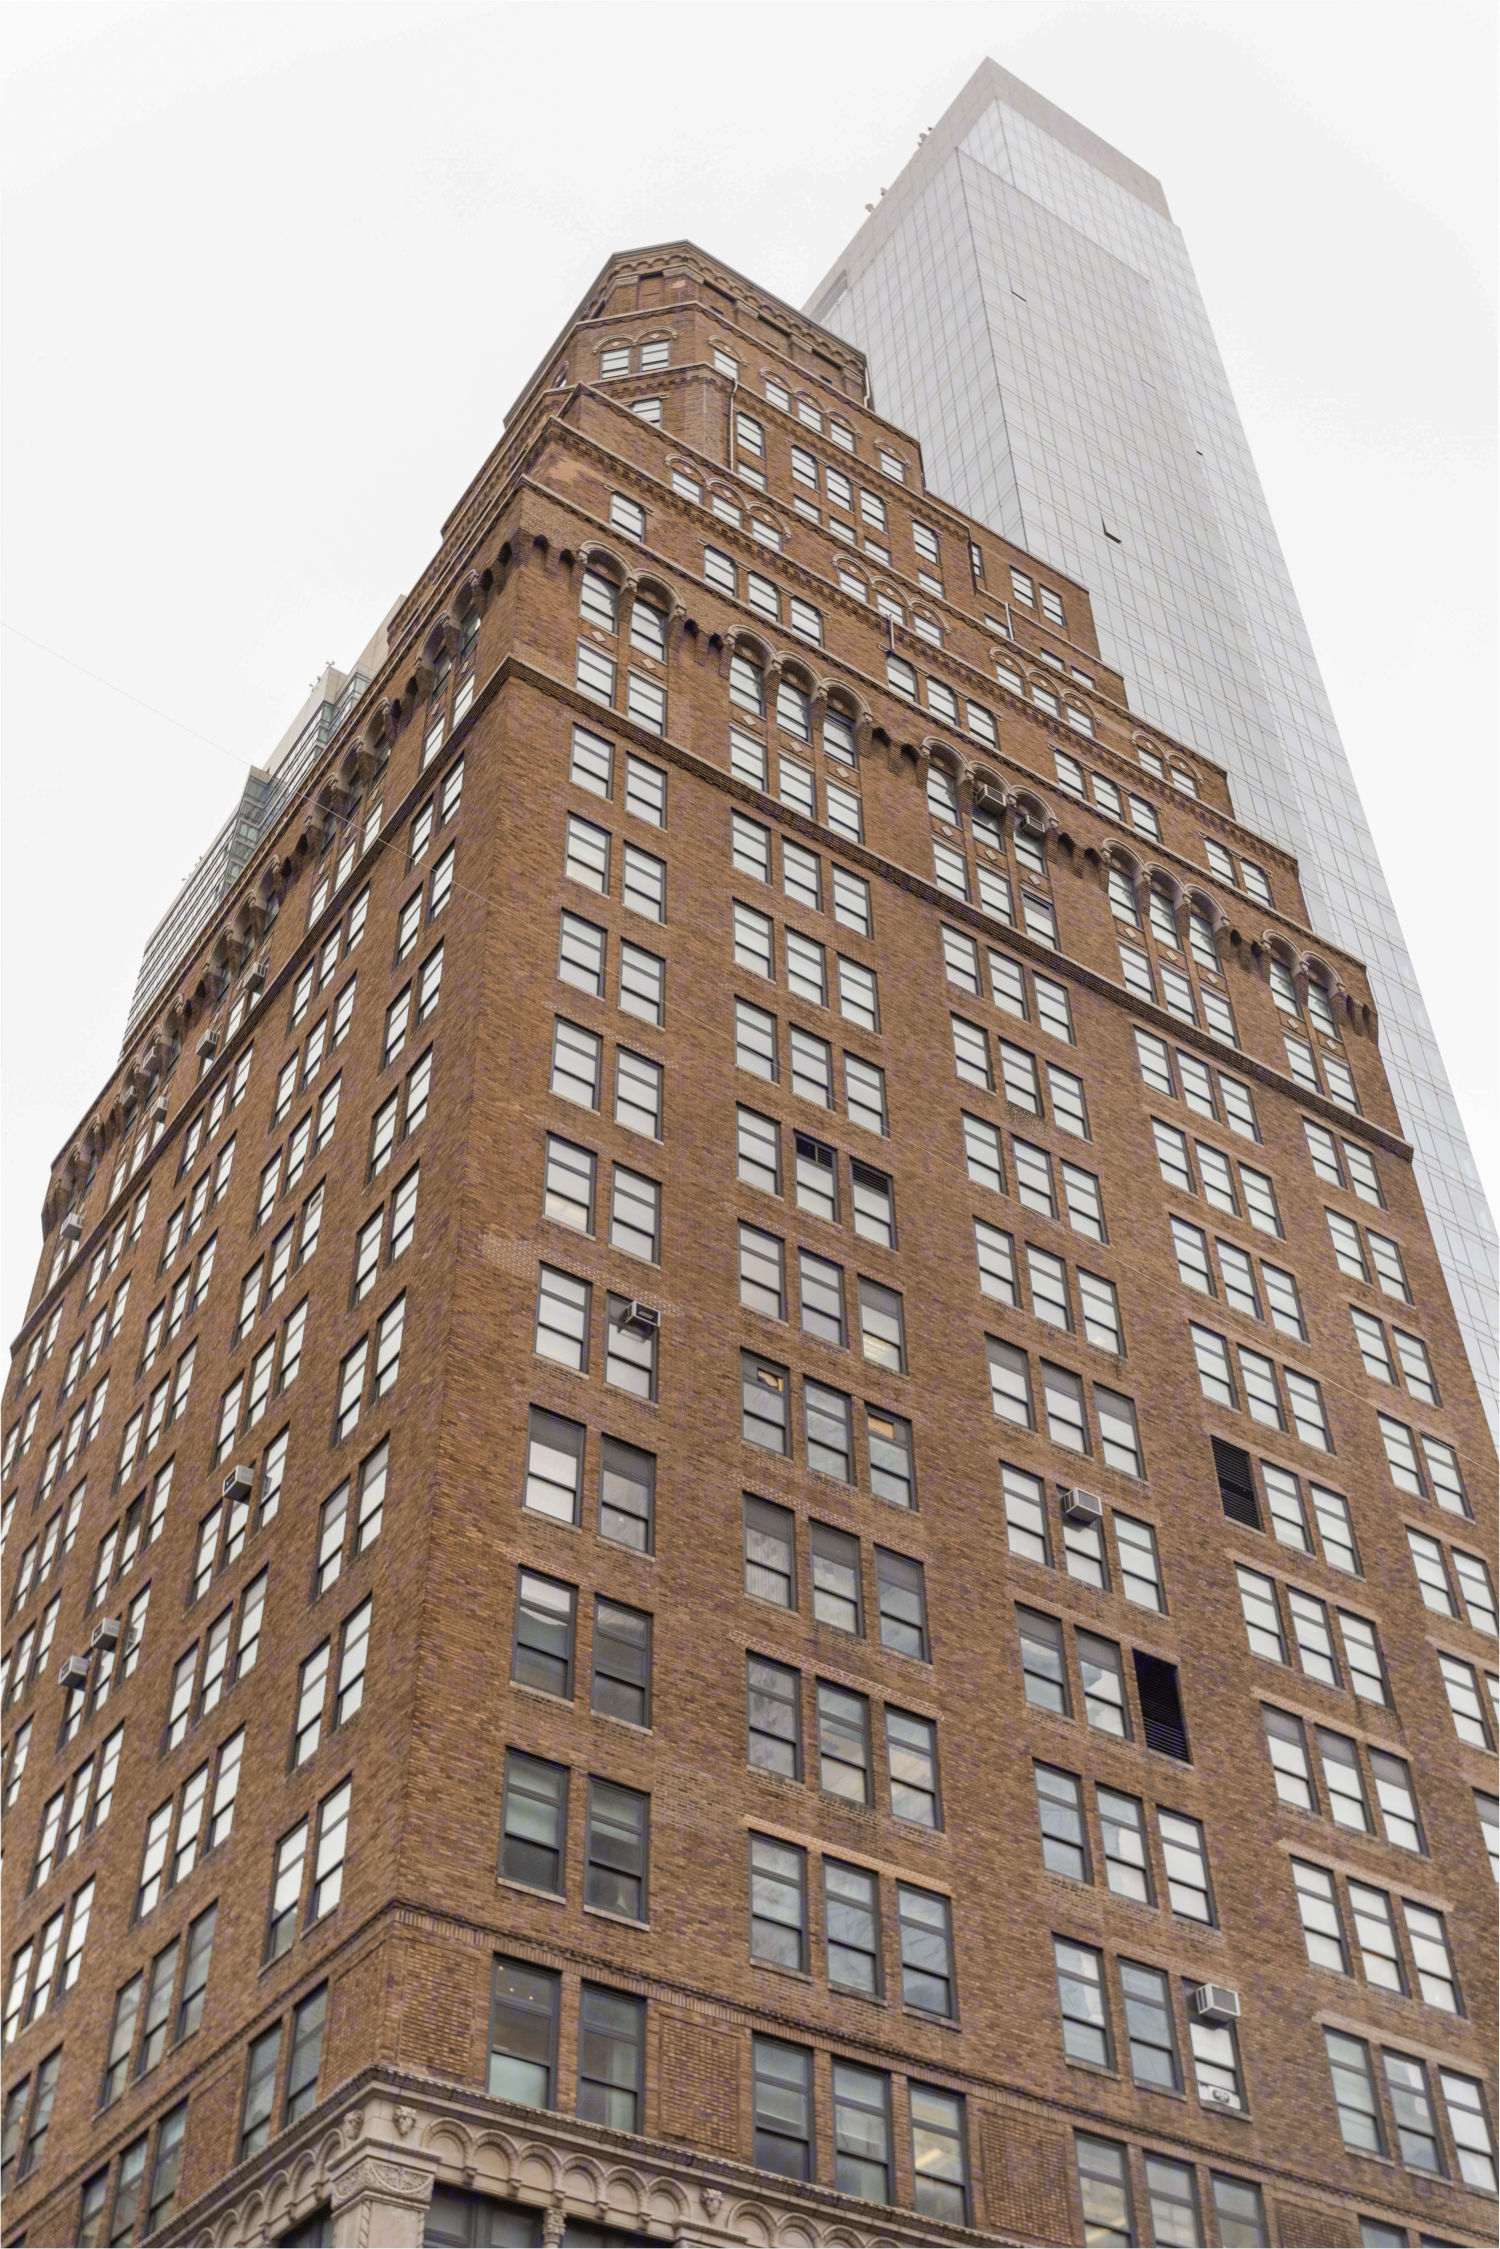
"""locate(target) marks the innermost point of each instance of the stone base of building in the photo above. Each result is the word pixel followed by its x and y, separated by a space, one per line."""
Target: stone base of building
pixel 360 2173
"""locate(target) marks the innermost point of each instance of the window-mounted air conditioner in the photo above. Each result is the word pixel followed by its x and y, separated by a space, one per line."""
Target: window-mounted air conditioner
pixel 106 1633
pixel 73 1671
pixel 237 1484
pixel 641 1319
pixel 1080 1506
pixel 1214 2003
pixel 72 1227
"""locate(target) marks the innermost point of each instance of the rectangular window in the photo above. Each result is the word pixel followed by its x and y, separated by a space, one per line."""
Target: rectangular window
pixel 1104 2192
pixel 616 1846
pixel 843 1743
pixel 911 1756
pixel 524 2006
pixel 778 1903
pixel 1354 2093
pixel 782 2093
pixel 611 2057
pixel 829 1430
pixel 554 1466
pixel 639 1085
pixel 533 1823
pixel 1081 1997
pixel 755 1040
pixel 622 1662
pixel 1148 2027
pixel 1469 2122
pixel 1043 1667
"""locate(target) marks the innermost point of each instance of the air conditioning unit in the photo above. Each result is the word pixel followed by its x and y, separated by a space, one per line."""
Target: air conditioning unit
pixel 1214 2003
pixel 72 1227
pixel 238 1483
pixel 1219 2096
pixel 73 1671
pixel 106 1633
pixel 641 1319
pixel 208 1046
pixel 255 982
pixel 159 1111
pixel 1079 1506
pixel 986 793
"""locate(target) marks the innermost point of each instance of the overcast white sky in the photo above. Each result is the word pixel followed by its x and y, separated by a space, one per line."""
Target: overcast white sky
pixel 274 272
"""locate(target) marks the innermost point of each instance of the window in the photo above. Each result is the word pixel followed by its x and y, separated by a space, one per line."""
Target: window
pixel 783 2113
pixel 1065 1848
pixel 861 2131
pixel 622 1662
pixel 1148 2027
pixel 639 1085
pixel 626 515
pixel 926 1940
pixel 911 1755
pixel 611 2057
pixel 1062 1394
pixel 773 1717
pixel 524 2005
pixel 616 1845
pixel 554 1466
pixel 1470 2125
pixel 533 1823
pixel 1122 1822
pixel 843 1743
pixel 1104 2191
pixel 778 1903
pixel 1354 2093
pixel 1081 1997
pixel 901 1590
pixel 306 2055
pixel 1043 1668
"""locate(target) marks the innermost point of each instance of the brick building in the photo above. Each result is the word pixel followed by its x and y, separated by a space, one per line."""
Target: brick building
pixel 817 1534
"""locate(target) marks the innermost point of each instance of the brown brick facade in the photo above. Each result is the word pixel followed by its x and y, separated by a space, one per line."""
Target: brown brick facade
pixel 848 855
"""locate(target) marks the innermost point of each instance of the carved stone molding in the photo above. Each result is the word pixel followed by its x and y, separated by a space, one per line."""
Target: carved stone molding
pixel 378 2159
pixel 385 2182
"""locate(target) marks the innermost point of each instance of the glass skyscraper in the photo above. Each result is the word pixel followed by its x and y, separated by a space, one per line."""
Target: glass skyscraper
pixel 1028 308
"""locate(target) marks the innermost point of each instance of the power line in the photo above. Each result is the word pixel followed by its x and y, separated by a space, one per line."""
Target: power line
pixel 115 689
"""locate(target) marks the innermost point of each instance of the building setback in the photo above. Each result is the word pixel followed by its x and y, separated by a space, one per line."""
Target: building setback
pixel 815 1523
pixel 1030 311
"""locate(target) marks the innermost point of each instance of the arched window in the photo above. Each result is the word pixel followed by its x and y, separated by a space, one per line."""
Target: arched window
pixel 468 651
pixel 435 725
pixel 794 710
pixel 942 796
pixel 839 735
pixel 648 627
pixel 1163 920
pixel 1320 1010
pixel 1201 938
pixel 747 683
pixel 599 600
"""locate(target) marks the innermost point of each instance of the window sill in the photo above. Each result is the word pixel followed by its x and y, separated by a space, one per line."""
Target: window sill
pixel 621 1920
pixel 541 1694
pixel 530 1890
pixel 632 1725
pixel 799 1975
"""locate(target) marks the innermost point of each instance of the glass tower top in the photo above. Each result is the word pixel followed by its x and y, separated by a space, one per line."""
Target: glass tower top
pixel 1029 311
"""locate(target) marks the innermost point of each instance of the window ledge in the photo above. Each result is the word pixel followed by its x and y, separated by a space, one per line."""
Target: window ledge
pixel 798 1975
pixel 622 1920
pixel 530 1890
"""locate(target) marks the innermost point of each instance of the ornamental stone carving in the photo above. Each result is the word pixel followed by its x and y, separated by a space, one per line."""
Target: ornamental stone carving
pixel 382 2182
